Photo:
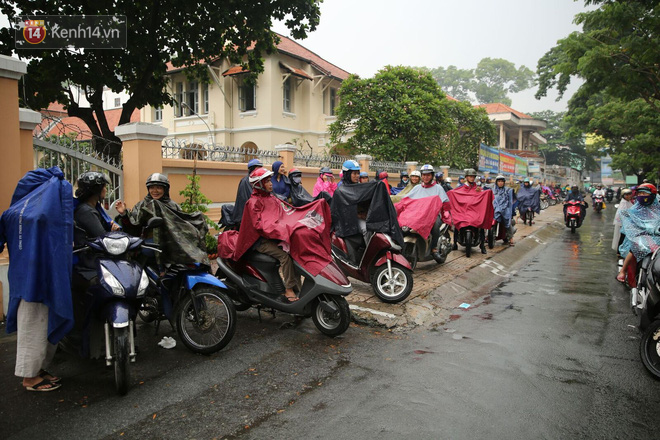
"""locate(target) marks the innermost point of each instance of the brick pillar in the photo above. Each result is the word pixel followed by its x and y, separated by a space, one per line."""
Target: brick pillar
pixel 11 70
pixel 411 166
pixel 445 171
pixel 364 160
pixel 28 119
pixel 286 152
pixel 142 156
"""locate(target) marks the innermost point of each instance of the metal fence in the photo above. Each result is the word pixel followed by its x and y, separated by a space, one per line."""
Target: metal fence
pixel 390 167
pixel 181 149
pixel 316 160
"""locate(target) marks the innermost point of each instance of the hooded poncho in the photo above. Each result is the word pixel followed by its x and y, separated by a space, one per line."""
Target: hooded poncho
pixel 503 205
pixel 323 186
pixel 471 208
pixel 282 186
pixel 421 191
pixel 304 232
pixel 529 198
pixel 38 231
pixel 641 225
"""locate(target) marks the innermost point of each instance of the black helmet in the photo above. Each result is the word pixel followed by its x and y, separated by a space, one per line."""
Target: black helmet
pixel 90 183
pixel 470 172
pixel 404 174
pixel 295 175
pixel 158 179
pixel 325 170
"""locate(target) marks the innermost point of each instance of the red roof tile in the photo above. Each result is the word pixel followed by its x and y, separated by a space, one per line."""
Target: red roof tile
pixel 497 107
pixel 295 71
pixel 235 70
pixel 57 122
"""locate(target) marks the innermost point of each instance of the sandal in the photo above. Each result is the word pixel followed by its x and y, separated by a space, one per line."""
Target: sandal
pixel 290 299
pixel 53 378
pixel 621 277
pixel 45 382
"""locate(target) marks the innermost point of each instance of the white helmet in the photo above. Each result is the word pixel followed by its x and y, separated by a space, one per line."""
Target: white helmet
pixel 427 169
pixel 416 173
pixel 448 180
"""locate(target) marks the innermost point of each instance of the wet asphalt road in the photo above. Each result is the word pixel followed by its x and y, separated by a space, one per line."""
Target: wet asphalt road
pixel 549 354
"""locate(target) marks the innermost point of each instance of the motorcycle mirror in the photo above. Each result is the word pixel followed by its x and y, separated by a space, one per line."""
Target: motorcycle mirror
pixel 155 222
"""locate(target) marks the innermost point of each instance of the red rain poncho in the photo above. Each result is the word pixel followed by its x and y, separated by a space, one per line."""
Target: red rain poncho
pixel 304 232
pixel 471 208
pixel 419 214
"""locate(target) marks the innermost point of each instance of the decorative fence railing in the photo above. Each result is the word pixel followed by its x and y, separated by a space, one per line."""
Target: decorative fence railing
pixel 316 160
pixel 390 167
pixel 181 149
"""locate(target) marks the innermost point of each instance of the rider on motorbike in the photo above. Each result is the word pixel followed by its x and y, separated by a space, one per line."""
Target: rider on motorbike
pixel 415 178
pixel 325 182
pixel 470 184
pixel 243 192
pixel 599 192
pixel 528 200
pixel 404 179
pixel 364 177
pixel 503 204
pixel 574 194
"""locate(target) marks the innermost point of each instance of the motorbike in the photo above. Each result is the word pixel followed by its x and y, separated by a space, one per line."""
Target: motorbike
pixel 112 304
pixel 416 248
pixel 573 219
pixel 254 281
pixel 544 201
pixel 469 238
pixel 598 203
pixel 377 260
pixel 609 194
pixel 528 216
pixel 645 302
pixel 496 232
pixel 195 303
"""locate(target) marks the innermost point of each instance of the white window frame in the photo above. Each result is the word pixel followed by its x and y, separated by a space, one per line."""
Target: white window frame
pixel 243 104
pixel 287 96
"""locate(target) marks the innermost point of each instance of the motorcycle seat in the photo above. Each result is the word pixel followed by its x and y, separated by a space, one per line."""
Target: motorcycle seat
pixel 258 257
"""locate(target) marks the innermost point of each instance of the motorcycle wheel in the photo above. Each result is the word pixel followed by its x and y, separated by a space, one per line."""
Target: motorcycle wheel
pixel 468 243
pixel 491 237
pixel 410 252
pixel 572 227
pixel 213 325
pixel 394 289
pixel 121 361
pixel 649 349
pixel 149 309
pixel 332 323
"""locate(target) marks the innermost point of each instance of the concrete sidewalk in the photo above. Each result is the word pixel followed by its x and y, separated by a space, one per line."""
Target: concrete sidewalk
pixel 439 290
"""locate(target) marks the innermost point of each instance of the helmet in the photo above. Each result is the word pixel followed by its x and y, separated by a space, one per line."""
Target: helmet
pixel 626 191
pixel 325 170
pixel 295 175
pixel 448 180
pixel 425 169
pixel 294 171
pixel 404 173
pixel 647 187
pixel 158 179
pixel 500 177
pixel 89 183
pixel 350 165
pixel 258 176
pixel 364 174
pixel 470 172
pixel 253 164
pixel 526 180
pixel 415 173
pixel 439 175
pixel 383 175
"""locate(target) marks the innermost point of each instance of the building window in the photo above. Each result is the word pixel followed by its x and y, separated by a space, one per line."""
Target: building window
pixel 205 97
pixel 192 98
pixel 333 101
pixel 117 102
pixel 158 114
pixel 287 95
pixel 179 98
pixel 247 95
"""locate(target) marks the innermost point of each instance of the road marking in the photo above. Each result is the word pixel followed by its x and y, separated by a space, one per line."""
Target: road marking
pixel 372 311
pixel 495 268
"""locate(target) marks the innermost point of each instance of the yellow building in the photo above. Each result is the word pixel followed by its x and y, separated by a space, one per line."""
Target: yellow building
pixel 293 101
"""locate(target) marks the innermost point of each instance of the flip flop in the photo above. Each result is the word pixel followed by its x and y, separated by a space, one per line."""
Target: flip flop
pixel 44 373
pixel 290 299
pixel 42 383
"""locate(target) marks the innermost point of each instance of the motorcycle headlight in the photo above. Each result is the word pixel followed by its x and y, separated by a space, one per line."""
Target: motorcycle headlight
pixel 110 280
pixel 116 246
pixel 144 283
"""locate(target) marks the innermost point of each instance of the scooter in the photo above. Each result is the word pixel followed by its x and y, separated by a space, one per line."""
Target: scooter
pixel 468 237
pixel 645 302
pixel 573 218
pixel 527 216
pixel 416 248
pixel 609 194
pixel 598 203
pixel 496 232
pixel 544 201
pixel 108 325
pixel 254 281
pixel 376 260
pixel 195 303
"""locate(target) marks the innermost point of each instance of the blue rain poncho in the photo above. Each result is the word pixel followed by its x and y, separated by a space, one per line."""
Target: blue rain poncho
pixel 529 198
pixel 503 204
pixel 38 231
pixel 641 225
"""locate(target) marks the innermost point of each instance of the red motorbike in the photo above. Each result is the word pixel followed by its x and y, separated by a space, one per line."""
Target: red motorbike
pixel 376 260
pixel 573 214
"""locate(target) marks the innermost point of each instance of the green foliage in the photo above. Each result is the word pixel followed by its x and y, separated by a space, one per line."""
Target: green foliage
pixel 401 114
pixel 616 55
pixel 494 78
pixel 159 31
pixel 196 201
pixel 456 82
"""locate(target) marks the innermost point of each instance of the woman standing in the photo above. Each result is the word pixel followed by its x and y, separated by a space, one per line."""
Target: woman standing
pixel 281 184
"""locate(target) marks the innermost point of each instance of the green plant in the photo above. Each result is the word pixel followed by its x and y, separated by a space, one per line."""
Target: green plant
pixel 211 244
pixel 195 200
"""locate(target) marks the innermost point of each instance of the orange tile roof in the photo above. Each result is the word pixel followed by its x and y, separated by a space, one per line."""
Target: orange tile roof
pixel 497 107
pixel 234 70
pixel 290 47
pixel 66 124
pixel 451 98
pixel 295 71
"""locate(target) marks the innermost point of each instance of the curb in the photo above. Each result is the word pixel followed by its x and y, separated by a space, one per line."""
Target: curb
pixel 441 304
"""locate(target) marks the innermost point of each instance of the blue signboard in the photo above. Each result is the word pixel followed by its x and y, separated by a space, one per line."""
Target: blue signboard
pixel 489 159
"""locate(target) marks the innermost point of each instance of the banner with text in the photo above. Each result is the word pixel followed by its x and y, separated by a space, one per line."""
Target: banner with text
pixel 489 159
pixel 507 163
pixel 521 166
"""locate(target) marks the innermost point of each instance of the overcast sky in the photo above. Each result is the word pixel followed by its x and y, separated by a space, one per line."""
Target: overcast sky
pixel 362 36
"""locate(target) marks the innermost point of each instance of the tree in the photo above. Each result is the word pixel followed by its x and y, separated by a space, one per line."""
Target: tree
pixel 471 126
pixel 456 82
pixel 494 78
pixel 616 55
pixel 564 143
pixel 398 115
pixel 181 32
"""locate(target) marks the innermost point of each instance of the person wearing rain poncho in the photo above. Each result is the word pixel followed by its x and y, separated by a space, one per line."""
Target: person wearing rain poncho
pixel 641 225
pixel 625 203
pixel 325 182
pixel 503 203
pixel 415 179
pixel 529 199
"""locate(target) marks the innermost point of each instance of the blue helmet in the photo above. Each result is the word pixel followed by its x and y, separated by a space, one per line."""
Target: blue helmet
pixel 254 163
pixel 364 174
pixel 426 168
pixel 350 165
